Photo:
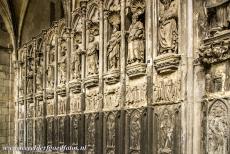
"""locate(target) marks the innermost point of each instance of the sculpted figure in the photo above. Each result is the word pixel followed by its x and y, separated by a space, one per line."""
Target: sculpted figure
pixel 92 58
pixel 39 78
pixel 135 132
pixel 168 33
pixel 76 65
pixel 218 12
pixel 62 62
pixel 50 76
pixel 136 41
pixel 114 48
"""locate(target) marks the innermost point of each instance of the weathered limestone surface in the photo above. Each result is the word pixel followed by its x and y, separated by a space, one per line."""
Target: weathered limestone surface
pixel 129 77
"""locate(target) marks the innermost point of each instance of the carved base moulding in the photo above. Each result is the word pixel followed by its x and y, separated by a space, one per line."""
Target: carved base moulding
pixel 136 70
pixel 167 63
pixel 61 90
pixel 112 77
pixel 215 49
pixel 92 81
pixel 75 86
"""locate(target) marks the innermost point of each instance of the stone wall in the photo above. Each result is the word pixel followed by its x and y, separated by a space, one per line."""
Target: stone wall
pixel 7 112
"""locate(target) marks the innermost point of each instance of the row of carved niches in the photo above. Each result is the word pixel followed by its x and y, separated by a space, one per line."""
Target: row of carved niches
pixel 217 79
pixel 217 121
pixel 168 59
pixel 215 46
pixel 167 89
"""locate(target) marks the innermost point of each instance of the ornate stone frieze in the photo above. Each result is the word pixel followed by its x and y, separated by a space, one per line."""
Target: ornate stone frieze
pixel 215 49
pixel 167 63
pixel 167 90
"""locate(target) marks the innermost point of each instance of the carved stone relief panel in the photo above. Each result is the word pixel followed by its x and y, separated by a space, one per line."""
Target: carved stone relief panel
pixel 50 130
pixel 50 107
pixel 216 79
pixel 167 90
pixel 75 129
pixel 92 100
pixel 39 109
pixel 61 105
pixel 30 109
pixel 111 98
pixel 61 130
pixel 30 132
pixel 39 132
pixel 90 133
pixel 75 103
pixel 135 95
pixel 20 132
pixel 110 133
pixel 135 132
pixel 168 129
pixel 218 128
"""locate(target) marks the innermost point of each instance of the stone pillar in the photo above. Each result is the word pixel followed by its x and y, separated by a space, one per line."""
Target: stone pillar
pixel 106 22
pixel 83 56
pixel 123 55
pixel 101 54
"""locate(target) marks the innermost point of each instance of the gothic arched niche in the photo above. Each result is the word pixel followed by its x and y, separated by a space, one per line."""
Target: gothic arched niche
pixel 166 128
pixel 92 39
pixel 135 132
pixel 110 134
pixel 218 128
pixel 91 133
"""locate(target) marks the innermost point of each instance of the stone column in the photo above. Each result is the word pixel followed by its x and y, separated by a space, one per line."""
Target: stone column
pixel 34 84
pixel 83 4
pixel 24 98
pixel 105 39
pixel 101 54
pixel 123 55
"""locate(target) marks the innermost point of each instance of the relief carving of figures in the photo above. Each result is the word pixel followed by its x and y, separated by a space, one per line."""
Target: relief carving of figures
pixel 165 136
pixel 135 131
pixel 168 26
pixel 76 60
pixel 136 37
pixel 29 76
pixel 168 90
pixel 110 132
pixel 135 95
pixel 75 103
pixel 218 14
pixel 62 61
pixel 50 107
pixel 114 48
pixel 218 129
pixel 39 108
pixel 39 129
pixel 92 100
pixel 111 98
pixel 62 106
pixel 23 73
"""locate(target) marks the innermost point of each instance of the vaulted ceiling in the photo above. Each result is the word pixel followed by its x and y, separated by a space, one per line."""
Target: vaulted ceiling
pixel 20 18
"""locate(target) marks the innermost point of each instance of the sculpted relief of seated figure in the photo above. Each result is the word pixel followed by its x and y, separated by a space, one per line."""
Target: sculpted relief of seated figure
pixel 218 15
